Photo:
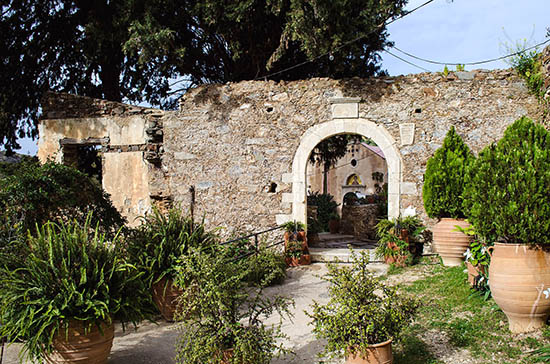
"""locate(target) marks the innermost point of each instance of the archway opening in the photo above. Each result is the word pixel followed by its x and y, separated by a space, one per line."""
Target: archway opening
pixel 347 179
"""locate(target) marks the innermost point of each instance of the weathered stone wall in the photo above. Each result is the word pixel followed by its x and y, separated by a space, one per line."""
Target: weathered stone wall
pixel 235 144
pixel 359 221
pixel 129 140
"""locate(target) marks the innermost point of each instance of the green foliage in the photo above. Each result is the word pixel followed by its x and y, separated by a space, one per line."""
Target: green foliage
pixel 37 193
pixel 294 249
pixel 507 193
pixel 266 268
pixel 361 311
pixel 293 226
pixel 220 314
pixel 132 49
pixel 444 178
pixel 391 243
pixel 71 271
pixel 326 206
pixel 157 245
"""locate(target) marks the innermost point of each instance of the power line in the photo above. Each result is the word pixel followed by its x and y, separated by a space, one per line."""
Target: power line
pixel 466 63
pixel 383 24
pixel 404 60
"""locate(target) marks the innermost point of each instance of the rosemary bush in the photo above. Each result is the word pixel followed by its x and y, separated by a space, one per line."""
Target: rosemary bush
pixel 361 311
pixel 71 272
pixel 219 313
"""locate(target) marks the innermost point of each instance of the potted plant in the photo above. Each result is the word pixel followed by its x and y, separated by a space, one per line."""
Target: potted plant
pixel 227 321
pixel 508 201
pixel 443 195
pixel 477 260
pixel 294 231
pixel 334 223
pixel 64 297
pixel 295 254
pixel 363 316
pixel 155 248
pixel 401 240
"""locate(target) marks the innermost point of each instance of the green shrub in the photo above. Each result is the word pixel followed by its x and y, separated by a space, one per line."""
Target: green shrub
pixel 325 207
pixel 156 246
pixel 71 271
pixel 266 268
pixel 389 231
pixel 219 313
pixel 507 194
pixel 361 311
pixel 37 193
pixel 444 178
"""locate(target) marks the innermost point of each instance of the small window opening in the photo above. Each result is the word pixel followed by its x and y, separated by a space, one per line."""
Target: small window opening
pixel 87 158
pixel 354 162
pixel 418 111
pixel 272 187
pixel 269 108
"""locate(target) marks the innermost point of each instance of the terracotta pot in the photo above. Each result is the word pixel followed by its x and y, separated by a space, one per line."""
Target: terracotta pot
pixel 305 259
pixel 334 226
pixel 78 346
pixel 375 354
pixel 474 272
pixel 449 243
pixel 518 275
pixel 165 296
pixel 226 356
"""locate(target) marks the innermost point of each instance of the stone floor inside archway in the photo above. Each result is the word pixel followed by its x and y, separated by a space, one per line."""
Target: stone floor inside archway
pixel 331 247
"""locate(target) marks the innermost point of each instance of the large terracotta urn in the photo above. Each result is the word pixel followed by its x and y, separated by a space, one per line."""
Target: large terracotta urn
pixel 76 345
pixel 375 354
pixel 165 296
pixel 519 278
pixel 450 243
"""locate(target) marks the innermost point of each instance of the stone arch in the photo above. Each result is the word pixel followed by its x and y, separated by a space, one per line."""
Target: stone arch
pixel 319 132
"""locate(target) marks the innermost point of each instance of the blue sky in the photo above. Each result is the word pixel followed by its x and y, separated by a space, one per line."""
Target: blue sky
pixel 455 32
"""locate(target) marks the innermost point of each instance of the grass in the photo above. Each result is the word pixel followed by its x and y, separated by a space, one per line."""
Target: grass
pixel 466 320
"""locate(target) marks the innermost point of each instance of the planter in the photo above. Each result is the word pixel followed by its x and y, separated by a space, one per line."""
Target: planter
pixel 305 259
pixel 375 354
pixel 78 346
pixel 165 296
pixel 334 226
pixel 449 243
pixel 474 272
pixel 518 275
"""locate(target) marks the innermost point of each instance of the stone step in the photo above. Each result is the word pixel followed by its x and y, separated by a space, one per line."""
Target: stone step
pixel 332 254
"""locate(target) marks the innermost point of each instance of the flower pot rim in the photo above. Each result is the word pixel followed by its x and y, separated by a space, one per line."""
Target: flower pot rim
pixel 452 218
pixel 380 344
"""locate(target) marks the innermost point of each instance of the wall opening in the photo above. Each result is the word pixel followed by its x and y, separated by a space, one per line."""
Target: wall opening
pixel 86 156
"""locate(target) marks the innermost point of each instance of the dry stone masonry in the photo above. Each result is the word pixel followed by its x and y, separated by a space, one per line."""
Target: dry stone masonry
pixel 237 152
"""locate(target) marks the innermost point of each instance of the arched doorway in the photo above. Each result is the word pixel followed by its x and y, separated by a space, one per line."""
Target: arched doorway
pixel 318 133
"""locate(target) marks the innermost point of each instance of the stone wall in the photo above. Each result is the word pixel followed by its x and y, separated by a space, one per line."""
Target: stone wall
pixel 239 146
pixel 359 221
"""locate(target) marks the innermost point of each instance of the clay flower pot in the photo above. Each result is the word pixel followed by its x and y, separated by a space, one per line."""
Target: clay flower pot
pixel 375 354
pixel 304 259
pixel 449 243
pixel 78 346
pixel 519 276
pixel 165 296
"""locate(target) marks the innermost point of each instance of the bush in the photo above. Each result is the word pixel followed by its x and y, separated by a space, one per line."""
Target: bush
pixel 267 268
pixel 361 311
pixel 219 313
pixel 157 245
pixel 71 271
pixel 507 192
pixel 325 207
pixel 390 243
pixel 36 193
pixel 444 178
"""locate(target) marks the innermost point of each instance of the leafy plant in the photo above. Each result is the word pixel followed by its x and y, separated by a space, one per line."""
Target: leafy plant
pixel 36 193
pixel 361 311
pixel 444 178
pixel 266 268
pixel 294 249
pixel 156 246
pixel 220 314
pixel 71 272
pixel 325 207
pixel 393 244
pixel 507 193
pixel 293 226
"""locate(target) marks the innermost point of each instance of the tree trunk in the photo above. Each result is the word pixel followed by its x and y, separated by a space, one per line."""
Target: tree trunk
pixel 325 178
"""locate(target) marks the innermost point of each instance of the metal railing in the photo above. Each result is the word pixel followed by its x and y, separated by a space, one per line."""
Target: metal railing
pixel 256 243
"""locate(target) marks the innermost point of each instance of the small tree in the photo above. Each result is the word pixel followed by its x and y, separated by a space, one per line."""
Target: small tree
pixel 507 193
pixel 444 178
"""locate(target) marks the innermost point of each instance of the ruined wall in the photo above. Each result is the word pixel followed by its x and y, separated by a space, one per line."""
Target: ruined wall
pixel 232 141
pixel 128 138
pixel 234 144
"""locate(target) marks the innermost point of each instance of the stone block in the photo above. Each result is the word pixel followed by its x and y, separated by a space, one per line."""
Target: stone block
pixel 406 133
pixel 342 111
pixel 184 156
pixel 287 197
pixel 287 178
pixel 409 188
pixel 282 218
